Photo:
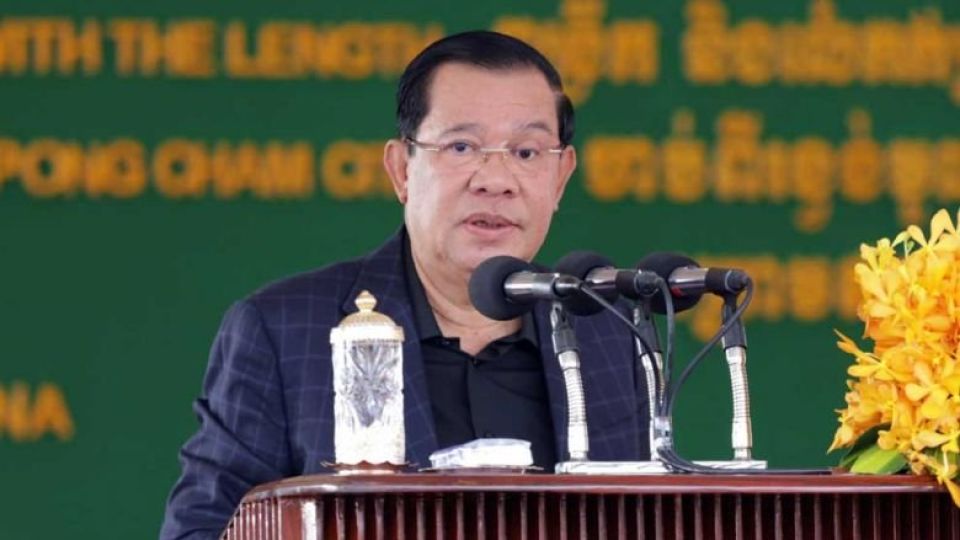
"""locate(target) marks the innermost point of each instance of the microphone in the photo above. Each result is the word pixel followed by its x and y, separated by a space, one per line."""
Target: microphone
pixel 600 274
pixel 688 281
pixel 588 267
pixel 504 287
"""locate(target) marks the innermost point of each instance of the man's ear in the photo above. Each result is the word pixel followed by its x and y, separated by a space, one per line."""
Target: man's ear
pixel 395 159
pixel 568 163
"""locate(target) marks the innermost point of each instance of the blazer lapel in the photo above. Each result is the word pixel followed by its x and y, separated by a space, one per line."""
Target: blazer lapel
pixel 382 273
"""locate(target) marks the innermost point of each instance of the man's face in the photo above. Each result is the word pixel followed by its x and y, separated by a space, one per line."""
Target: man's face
pixel 461 216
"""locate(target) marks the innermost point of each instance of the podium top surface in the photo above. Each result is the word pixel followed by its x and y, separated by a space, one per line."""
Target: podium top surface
pixel 332 484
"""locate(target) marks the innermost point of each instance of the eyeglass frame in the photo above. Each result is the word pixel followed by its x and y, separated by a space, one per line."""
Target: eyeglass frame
pixel 503 150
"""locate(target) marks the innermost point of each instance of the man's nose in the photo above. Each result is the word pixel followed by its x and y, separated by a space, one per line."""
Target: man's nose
pixel 494 175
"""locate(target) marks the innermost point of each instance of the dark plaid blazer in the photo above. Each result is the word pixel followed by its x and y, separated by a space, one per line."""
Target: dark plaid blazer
pixel 266 407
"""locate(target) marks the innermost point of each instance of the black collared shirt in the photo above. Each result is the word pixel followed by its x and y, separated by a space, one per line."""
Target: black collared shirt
pixel 500 392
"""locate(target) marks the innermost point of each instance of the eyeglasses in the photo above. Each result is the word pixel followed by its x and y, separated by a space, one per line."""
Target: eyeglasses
pixel 525 158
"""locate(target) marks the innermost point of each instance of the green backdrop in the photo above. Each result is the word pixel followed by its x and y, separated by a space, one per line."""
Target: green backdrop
pixel 160 160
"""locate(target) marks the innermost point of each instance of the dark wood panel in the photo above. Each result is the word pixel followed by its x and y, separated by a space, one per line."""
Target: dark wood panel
pixel 518 507
pixel 686 483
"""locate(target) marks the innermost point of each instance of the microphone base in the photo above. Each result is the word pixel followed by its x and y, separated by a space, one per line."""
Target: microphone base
pixel 639 468
pixel 625 468
pixel 736 464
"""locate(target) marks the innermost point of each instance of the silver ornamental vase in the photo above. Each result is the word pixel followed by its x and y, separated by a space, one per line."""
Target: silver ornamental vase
pixel 368 389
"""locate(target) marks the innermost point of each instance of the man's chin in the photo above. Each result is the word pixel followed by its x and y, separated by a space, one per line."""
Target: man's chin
pixel 475 257
pixel 471 250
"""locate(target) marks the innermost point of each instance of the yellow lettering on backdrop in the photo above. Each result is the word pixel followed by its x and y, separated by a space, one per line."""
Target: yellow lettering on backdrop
pixel 684 161
pixel 16 409
pixel 9 160
pixel 743 166
pixel 945 174
pixel 274 171
pixel 115 168
pixel 815 288
pixel 813 173
pixel 50 413
pixel 123 32
pixel 189 48
pixel 353 170
pixel 85 49
pixel 776 169
pixel 353 50
pixel 909 177
pixel 181 168
pixel 184 168
pixel 585 49
pixel 600 168
pixel 25 420
pixel 618 166
pixel 181 48
pixel 41 37
pixel 826 49
pixel 810 293
pixel 50 168
pixel 14 44
pixel 286 171
pixel 46 45
pixel 860 161
pixel 235 169
pixel 847 290
pixel 704 42
pixel 738 174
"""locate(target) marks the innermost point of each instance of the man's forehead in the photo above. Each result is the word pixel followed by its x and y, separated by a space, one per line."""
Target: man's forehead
pixel 469 98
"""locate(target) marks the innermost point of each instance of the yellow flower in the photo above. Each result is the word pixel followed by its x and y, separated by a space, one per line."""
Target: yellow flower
pixel 910 378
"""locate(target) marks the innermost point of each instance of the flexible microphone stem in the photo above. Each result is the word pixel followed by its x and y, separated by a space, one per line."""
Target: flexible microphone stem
pixel 649 368
pixel 668 455
pixel 735 350
pixel 646 363
pixel 741 434
pixel 565 347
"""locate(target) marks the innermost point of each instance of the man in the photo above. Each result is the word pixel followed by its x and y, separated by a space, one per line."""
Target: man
pixel 481 162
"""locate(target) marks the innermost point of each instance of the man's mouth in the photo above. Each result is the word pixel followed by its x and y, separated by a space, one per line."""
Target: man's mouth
pixel 489 221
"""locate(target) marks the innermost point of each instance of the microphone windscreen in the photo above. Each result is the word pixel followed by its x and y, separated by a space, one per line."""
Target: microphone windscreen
pixel 487 288
pixel 579 264
pixel 663 264
pixel 726 280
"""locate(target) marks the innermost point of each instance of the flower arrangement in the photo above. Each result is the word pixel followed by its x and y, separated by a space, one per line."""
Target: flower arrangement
pixel 903 403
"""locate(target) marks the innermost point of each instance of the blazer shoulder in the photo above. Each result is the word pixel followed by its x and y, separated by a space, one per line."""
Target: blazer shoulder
pixel 320 282
pixel 314 295
pixel 338 279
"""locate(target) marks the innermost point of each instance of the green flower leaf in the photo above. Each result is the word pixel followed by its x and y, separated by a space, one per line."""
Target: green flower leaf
pixel 868 439
pixel 875 460
pixel 952 459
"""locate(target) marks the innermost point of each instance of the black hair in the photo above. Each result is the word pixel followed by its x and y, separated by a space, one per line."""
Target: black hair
pixel 482 48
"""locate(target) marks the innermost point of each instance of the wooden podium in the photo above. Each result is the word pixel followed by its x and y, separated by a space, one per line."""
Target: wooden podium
pixel 543 506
